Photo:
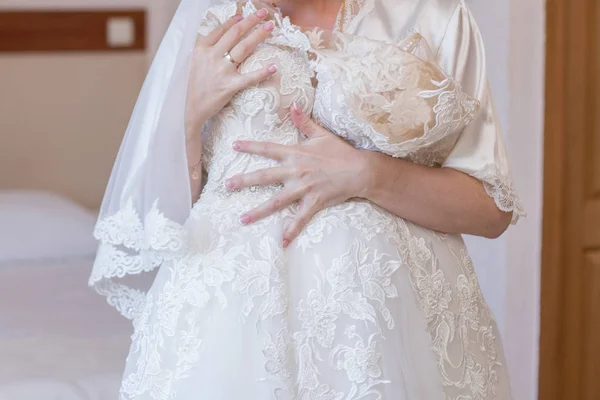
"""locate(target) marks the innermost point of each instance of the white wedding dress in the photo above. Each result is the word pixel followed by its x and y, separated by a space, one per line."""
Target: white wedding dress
pixel 364 304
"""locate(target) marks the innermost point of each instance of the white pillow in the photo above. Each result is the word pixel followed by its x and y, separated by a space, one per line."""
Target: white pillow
pixel 42 226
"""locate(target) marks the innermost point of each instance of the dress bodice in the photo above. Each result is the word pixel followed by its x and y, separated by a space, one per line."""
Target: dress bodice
pixel 261 113
pixel 378 96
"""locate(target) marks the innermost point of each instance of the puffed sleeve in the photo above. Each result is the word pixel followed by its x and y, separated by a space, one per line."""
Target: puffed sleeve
pixel 480 150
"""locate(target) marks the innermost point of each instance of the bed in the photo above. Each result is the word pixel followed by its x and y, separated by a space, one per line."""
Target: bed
pixel 65 106
pixel 58 339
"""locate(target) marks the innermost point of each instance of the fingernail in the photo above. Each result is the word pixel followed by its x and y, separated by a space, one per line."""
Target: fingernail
pixel 268 26
pixel 296 108
pixel 238 18
pixel 229 184
pixel 262 13
pixel 286 243
pixel 272 69
pixel 236 146
pixel 244 219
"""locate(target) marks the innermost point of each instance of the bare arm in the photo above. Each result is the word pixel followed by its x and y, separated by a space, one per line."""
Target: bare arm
pixel 193 146
pixel 442 199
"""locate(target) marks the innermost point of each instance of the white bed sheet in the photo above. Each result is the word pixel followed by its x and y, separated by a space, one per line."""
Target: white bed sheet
pixel 58 339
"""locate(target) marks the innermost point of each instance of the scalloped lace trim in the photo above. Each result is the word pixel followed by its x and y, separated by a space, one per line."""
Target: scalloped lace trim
pixel 500 187
pixel 126 248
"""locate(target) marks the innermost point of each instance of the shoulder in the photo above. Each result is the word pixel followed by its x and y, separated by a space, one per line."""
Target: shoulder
pixel 434 20
pixel 392 20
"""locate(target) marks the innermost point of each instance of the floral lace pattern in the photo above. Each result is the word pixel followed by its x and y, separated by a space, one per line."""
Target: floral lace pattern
pixel 355 286
pixel 363 305
pixel 122 236
pixel 377 83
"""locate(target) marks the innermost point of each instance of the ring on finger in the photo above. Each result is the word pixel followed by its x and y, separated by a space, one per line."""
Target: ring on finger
pixel 228 57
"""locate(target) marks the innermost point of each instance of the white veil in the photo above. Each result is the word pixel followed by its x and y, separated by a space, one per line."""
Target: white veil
pixel 148 195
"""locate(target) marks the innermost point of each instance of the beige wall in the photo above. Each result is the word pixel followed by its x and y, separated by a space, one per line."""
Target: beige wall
pixel 160 12
pixel 509 267
pixel 62 118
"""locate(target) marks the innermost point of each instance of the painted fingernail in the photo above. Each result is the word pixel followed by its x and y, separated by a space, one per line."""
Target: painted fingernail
pixel 286 243
pixel 268 26
pixel 262 13
pixel 236 146
pixel 244 219
pixel 238 18
pixel 229 184
pixel 272 69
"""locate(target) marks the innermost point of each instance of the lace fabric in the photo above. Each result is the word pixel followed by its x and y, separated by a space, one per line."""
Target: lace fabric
pixel 348 324
pixel 501 189
pixel 404 104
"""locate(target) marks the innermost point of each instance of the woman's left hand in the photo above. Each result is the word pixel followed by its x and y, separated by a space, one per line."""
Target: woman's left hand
pixel 321 172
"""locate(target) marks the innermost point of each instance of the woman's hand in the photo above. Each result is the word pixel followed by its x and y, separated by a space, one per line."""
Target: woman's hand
pixel 321 172
pixel 325 171
pixel 214 79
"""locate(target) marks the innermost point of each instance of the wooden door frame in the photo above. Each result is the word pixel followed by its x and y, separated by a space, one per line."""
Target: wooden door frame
pixel 568 78
pixel 553 219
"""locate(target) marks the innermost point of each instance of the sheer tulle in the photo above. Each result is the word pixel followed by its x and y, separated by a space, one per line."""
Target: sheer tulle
pixel 148 194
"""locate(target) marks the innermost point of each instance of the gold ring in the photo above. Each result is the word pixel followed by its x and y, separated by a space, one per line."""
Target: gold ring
pixel 230 59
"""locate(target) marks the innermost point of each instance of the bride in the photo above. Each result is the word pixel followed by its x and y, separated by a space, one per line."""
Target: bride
pixel 301 173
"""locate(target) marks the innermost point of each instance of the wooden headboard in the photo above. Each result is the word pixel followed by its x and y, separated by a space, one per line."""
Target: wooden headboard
pixel 77 30
pixel 68 83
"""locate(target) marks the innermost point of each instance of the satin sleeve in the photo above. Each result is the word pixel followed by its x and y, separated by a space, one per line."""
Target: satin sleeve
pixel 480 151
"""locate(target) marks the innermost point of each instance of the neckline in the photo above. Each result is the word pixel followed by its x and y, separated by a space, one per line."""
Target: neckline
pixel 350 13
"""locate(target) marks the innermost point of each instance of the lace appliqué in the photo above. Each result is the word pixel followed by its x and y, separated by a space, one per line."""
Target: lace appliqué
pixel 457 320
pixel 129 245
pixel 405 105
pixel 461 325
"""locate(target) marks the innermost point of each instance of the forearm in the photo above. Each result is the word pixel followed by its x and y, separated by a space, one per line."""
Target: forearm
pixel 441 199
pixel 193 145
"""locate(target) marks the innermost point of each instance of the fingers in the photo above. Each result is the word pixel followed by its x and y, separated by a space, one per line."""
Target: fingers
pixel 306 124
pixel 217 33
pixel 235 34
pixel 244 48
pixel 281 200
pixel 305 213
pixel 270 150
pixel 244 81
pixel 263 177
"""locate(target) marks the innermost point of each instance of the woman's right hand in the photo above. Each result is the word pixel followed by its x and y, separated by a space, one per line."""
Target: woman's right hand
pixel 214 79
